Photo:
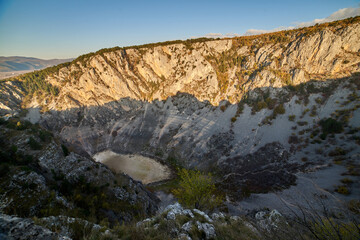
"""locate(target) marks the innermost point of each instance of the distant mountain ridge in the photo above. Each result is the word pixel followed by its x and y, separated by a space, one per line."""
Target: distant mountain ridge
pixel 16 63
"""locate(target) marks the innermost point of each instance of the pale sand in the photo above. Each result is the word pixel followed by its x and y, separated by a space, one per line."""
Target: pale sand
pixel 138 167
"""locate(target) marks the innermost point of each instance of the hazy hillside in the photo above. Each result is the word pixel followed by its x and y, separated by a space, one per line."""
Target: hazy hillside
pixel 11 64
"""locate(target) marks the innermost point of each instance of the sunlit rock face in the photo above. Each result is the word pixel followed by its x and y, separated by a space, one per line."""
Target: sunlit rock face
pixel 210 70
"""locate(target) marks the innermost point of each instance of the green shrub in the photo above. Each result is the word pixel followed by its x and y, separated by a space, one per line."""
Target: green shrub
pixel 260 105
pixel 196 190
pixel 305 111
pixel 291 118
pixel 235 230
pixel 233 119
pixel 338 161
pixel 223 108
pixel 313 112
pixel 240 109
pixel 302 132
pixel 270 102
pixel 353 170
pixel 342 190
pixel 328 228
pixel 279 109
pixel 319 100
pixel 80 230
pixel 347 181
pixel 354 206
pixel 338 151
pixel 302 123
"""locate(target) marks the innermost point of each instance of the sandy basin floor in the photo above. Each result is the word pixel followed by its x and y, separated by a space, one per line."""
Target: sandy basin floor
pixel 140 168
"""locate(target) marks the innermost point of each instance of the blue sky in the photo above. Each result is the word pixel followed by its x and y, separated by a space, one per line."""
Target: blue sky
pixel 68 28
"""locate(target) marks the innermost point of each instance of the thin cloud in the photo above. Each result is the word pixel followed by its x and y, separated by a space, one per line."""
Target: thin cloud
pixel 260 31
pixel 220 35
pixel 338 15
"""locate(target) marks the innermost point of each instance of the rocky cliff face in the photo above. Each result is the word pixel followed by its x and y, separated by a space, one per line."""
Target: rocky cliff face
pixel 207 102
pixel 11 96
pixel 209 70
pixel 213 70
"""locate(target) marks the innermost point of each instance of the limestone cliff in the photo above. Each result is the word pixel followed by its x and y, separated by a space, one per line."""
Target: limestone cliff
pixel 211 70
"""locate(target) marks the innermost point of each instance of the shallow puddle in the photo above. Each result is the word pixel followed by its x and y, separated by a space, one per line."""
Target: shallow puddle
pixel 138 167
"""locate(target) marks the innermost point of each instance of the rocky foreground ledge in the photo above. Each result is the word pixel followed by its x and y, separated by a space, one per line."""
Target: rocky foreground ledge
pixel 178 222
pixel 189 223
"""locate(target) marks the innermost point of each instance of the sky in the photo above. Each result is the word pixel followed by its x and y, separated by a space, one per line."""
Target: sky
pixel 68 28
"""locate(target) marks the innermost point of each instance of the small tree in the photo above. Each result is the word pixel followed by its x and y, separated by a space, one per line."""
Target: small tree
pixel 196 190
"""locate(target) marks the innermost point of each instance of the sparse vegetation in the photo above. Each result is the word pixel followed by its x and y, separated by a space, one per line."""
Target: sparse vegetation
pixel 279 109
pixel 302 123
pixel 353 169
pixel 338 151
pixel 313 112
pixel 354 206
pixel 259 105
pixel 319 100
pixel 305 111
pixel 347 181
pixel 223 108
pixel 342 190
pixel 270 102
